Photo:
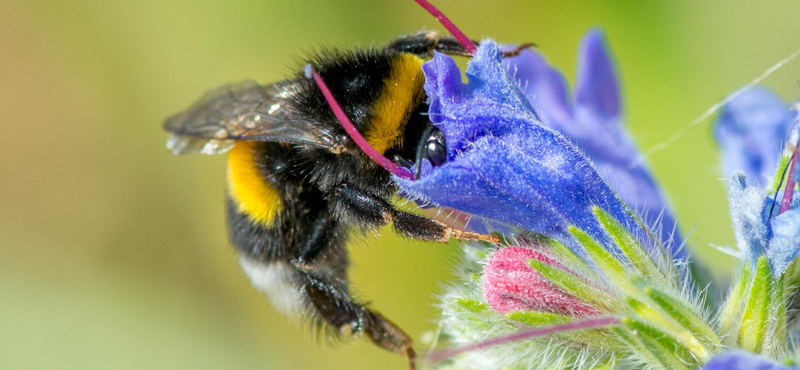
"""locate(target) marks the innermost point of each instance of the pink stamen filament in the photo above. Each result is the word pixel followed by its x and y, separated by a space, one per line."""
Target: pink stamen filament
pixel 352 131
pixel 450 26
pixel 788 191
pixel 592 323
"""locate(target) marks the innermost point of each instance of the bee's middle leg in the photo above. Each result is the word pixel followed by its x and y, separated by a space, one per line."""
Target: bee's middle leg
pixel 374 210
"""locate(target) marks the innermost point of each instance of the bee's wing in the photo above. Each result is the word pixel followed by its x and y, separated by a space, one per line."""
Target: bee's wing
pixel 242 111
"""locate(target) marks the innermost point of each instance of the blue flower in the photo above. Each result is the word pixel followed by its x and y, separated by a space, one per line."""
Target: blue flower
pixel 740 360
pixel 521 152
pixel 751 132
pixel 503 163
pixel 593 121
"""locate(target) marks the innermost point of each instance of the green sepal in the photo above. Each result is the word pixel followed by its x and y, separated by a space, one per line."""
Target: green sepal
pixel 776 179
pixel 683 314
pixel 537 318
pixel 635 345
pixel 472 305
pixel 572 284
pixel 569 257
pixel 757 309
pixel 605 261
pixel 630 247
pixel 780 314
pixel 732 311
pixel 656 318
pixel 663 346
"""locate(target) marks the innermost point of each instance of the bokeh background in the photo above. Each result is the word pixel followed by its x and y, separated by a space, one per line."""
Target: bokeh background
pixel 113 253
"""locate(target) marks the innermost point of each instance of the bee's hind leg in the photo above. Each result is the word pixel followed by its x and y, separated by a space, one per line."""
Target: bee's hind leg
pixel 329 298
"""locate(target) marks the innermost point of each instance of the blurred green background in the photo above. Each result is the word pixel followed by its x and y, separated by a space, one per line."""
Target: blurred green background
pixel 113 253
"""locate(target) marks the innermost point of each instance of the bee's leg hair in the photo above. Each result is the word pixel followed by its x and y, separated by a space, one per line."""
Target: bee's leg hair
pixel 425 43
pixel 330 299
pixel 373 210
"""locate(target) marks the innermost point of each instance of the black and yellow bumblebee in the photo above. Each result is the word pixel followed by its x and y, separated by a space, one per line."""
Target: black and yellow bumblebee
pixel 297 184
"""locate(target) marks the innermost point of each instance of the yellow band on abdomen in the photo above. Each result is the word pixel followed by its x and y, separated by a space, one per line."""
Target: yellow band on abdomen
pixel 248 188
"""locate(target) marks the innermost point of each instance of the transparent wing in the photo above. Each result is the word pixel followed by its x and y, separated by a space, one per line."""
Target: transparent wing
pixel 242 111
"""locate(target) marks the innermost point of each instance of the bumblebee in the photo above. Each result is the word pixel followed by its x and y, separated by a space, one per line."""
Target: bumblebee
pixel 298 185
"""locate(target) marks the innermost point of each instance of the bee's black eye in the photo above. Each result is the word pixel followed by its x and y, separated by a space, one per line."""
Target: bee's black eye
pixel 431 147
pixel 436 150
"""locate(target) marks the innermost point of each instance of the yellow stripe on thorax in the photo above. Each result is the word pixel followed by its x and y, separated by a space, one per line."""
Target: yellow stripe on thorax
pixel 393 107
pixel 248 188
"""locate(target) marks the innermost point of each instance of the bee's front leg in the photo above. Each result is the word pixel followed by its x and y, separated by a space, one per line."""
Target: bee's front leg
pixel 425 43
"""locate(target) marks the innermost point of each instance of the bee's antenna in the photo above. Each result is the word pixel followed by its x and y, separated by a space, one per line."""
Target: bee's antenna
pixel 449 25
pixel 351 129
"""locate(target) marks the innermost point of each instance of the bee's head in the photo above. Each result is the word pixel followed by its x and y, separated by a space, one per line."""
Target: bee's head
pixel 422 140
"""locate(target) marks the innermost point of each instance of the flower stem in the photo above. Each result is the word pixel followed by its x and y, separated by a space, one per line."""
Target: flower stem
pixel 592 323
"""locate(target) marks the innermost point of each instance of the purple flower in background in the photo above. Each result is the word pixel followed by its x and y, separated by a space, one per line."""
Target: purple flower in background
pixel 592 120
pixel 750 132
pixel 740 360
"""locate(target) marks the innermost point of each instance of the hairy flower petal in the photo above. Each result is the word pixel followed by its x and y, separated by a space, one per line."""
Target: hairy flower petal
pixel 503 164
pixel 594 123
pixel 748 205
pixel 785 242
pixel 598 91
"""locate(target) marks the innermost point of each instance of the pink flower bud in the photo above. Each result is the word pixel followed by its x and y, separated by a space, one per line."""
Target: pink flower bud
pixel 511 284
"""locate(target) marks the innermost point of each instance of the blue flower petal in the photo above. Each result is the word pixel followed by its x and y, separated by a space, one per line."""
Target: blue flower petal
pixel 594 123
pixel 543 86
pixel 597 89
pixel 502 163
pixel 750 132
pixel 749 207
pixel 785 243
pixel 740 360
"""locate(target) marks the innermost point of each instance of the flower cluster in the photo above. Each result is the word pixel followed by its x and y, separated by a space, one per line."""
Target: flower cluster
pixel 592 273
